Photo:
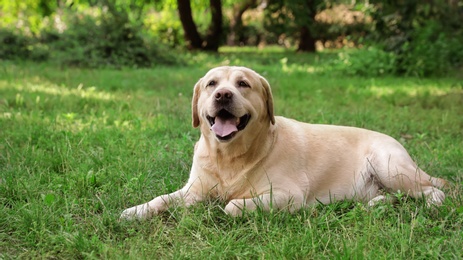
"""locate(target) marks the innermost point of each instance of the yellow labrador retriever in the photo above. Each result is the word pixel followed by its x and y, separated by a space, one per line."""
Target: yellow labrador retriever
pixel 250 158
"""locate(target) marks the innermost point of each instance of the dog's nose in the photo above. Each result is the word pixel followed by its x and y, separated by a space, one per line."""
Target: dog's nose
pixel 223 95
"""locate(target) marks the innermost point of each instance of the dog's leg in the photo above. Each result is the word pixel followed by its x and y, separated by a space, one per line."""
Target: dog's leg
pixel 416 183
pixel 266 202
pixel 398 172
pixel 159 204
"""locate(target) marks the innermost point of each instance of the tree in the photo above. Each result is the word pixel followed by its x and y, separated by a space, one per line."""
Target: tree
pixel 236 22
pixel 295 18
pixel 306 15
pixel 194 40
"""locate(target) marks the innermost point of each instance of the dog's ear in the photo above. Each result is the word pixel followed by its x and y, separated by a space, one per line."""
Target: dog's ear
pixel 194 103
pixel 269 99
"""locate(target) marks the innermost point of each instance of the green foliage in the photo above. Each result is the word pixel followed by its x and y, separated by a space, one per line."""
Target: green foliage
pixel 13 45
pixel 284 18
pixel 252 34
pixel 25 16
pixel 425 36
pixel 369 61
pixel 431 51
pixel 166 28
pixel 107 34
pixel 107 41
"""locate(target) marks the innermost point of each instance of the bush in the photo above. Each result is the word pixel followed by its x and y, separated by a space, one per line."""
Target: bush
pixel 103 40
pixel 93 42
pixel 371 61
pixel 17 46
pixel 431 51
pixel 13 45
pixel 425 36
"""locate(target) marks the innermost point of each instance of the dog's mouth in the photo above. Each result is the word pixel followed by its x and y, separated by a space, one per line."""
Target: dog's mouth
pixel 225 125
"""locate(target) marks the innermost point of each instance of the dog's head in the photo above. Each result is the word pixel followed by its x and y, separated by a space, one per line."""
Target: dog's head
pixel 231 100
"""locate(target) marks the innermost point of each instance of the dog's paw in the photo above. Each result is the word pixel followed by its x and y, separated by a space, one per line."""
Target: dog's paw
pixel 378 200
pixel 129 214
pixel 234 210
pixel 135 213
pixel 436 198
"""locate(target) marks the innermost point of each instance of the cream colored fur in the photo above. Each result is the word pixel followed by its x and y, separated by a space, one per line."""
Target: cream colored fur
pixel 280 163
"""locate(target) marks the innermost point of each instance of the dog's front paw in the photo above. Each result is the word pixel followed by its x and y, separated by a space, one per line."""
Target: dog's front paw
pixel 238 207
pixel 139 212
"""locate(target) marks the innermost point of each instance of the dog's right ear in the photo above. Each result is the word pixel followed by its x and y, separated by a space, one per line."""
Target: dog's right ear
pixel 194 103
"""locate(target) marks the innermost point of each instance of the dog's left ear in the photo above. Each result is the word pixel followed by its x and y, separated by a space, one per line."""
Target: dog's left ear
pixel 269 99
pixel 194 103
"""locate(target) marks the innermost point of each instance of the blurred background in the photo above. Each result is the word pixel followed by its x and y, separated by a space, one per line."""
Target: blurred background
pixel 412 37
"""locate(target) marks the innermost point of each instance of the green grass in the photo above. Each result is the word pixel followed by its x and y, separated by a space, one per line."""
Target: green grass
pixel 77 146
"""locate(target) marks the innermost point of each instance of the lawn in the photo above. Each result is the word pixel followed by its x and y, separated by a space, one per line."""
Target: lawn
pixel 78 146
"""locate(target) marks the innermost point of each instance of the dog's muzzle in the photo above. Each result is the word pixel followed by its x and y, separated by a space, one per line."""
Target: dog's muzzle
pixel 225 125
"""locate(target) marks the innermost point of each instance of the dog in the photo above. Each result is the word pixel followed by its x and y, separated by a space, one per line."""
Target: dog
pixel 249 158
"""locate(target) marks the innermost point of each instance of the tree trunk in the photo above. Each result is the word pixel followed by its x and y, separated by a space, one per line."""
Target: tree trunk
pixel 236 23
pixel 194 40
pixel 306 40
pixel 192 36
pixel 215 29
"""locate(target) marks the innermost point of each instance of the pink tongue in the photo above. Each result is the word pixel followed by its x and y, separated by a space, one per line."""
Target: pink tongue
pixel 224 127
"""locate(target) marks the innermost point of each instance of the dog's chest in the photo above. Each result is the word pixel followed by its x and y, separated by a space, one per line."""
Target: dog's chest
pixel 226 179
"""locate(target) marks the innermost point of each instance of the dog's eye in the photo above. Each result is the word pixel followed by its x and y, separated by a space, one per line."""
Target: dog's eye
pixel 211 83
pixel 243 84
